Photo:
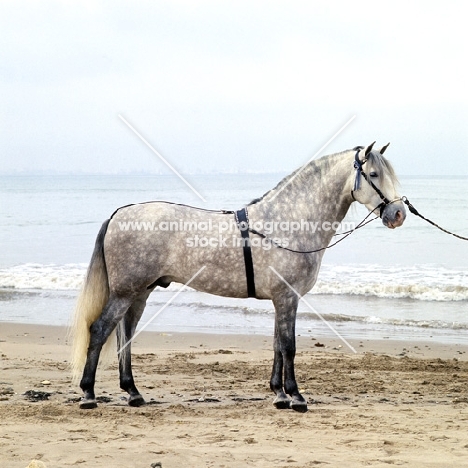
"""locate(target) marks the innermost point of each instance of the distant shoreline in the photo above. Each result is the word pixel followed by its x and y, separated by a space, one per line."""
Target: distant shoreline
pixel 166 174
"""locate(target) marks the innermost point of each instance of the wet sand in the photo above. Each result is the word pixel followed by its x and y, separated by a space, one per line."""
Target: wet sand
pixel 391 403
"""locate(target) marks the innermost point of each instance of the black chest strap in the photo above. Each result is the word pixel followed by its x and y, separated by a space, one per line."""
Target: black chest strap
pixel 242 220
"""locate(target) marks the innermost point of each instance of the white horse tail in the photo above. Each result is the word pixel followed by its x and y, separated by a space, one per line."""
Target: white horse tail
pixel 91 300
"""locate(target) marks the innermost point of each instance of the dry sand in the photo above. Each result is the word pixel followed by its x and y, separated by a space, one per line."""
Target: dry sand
pixel 393 403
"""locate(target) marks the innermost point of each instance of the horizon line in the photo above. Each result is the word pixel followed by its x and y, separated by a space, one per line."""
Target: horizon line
pixel 147 174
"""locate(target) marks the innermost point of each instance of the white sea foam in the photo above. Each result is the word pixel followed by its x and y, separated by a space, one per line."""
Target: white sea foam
pixel 425 283
pixel 38 276
pixel 421 282
pixel 352 302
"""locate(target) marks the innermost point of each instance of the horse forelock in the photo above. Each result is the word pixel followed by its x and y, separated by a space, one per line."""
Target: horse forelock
pixel 383 166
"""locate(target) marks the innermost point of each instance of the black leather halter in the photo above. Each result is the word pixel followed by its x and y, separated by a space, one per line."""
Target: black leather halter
pixel 357 182
pixel 242 220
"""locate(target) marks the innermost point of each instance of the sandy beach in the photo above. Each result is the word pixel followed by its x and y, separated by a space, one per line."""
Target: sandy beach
pixel 209 405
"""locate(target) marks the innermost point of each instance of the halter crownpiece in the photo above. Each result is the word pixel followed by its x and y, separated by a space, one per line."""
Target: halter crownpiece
pixel 358 164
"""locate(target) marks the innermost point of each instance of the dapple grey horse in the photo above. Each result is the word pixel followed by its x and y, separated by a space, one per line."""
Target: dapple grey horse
pixel 127 264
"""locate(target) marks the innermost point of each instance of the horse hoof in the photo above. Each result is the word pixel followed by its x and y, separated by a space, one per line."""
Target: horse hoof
pixel 282 402
pixel 136 400
pixel 88 404
pixel 299 406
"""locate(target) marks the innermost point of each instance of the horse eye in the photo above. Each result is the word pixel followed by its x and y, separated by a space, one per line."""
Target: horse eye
pixel 374 175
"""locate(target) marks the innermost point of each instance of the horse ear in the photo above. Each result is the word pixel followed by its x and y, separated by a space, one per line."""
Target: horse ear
pixel 382 151
pixel 369 148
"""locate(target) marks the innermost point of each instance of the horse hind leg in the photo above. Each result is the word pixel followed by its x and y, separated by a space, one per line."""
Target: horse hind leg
pixel 125 332
pixel 100 331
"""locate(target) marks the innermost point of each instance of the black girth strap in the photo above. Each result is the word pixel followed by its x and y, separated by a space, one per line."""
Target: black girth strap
pixel 242 219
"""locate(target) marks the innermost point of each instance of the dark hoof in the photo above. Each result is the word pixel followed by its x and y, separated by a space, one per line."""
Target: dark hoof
pixel 282 402
pixel 88 404
pixel 299 406
pixel 136 400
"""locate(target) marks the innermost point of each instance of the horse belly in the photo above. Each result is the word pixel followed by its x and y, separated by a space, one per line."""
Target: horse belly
pixel 216 270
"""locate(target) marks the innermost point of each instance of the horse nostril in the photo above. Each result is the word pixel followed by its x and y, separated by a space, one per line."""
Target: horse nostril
pixel 398 215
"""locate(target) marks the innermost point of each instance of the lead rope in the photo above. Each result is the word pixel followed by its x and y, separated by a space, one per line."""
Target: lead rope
pixel 416 212
pixel 365 221
pixel 344 234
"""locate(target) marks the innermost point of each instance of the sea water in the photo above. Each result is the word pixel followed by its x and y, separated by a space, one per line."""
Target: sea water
pixel 410 283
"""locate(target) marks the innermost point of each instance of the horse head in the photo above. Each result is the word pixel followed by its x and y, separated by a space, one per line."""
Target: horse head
pixel 375 185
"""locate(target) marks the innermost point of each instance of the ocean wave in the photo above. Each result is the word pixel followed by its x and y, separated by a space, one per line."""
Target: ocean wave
pixel 432 324
pixel 39 276
pixel 420 282
pixel 423 282
pixel 443 293
pixel 397 322
pixel 200 307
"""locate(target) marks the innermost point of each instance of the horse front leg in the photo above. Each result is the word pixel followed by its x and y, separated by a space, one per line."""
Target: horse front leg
pixel 276 382
pixel 125 331
pixel 285 352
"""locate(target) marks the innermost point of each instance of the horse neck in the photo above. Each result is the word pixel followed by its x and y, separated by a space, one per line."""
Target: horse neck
pixel 320 192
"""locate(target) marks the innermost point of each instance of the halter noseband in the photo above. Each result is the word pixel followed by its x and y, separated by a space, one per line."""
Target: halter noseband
pixel 357 182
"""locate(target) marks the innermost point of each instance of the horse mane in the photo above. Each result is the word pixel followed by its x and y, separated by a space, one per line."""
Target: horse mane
pixel 282 182
pixel 380 163
pixel 294 174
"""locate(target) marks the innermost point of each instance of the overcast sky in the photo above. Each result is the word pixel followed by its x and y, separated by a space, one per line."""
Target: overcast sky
pixel 222 86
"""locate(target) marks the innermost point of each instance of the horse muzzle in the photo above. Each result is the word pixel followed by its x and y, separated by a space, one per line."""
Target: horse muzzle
pixel 394 215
